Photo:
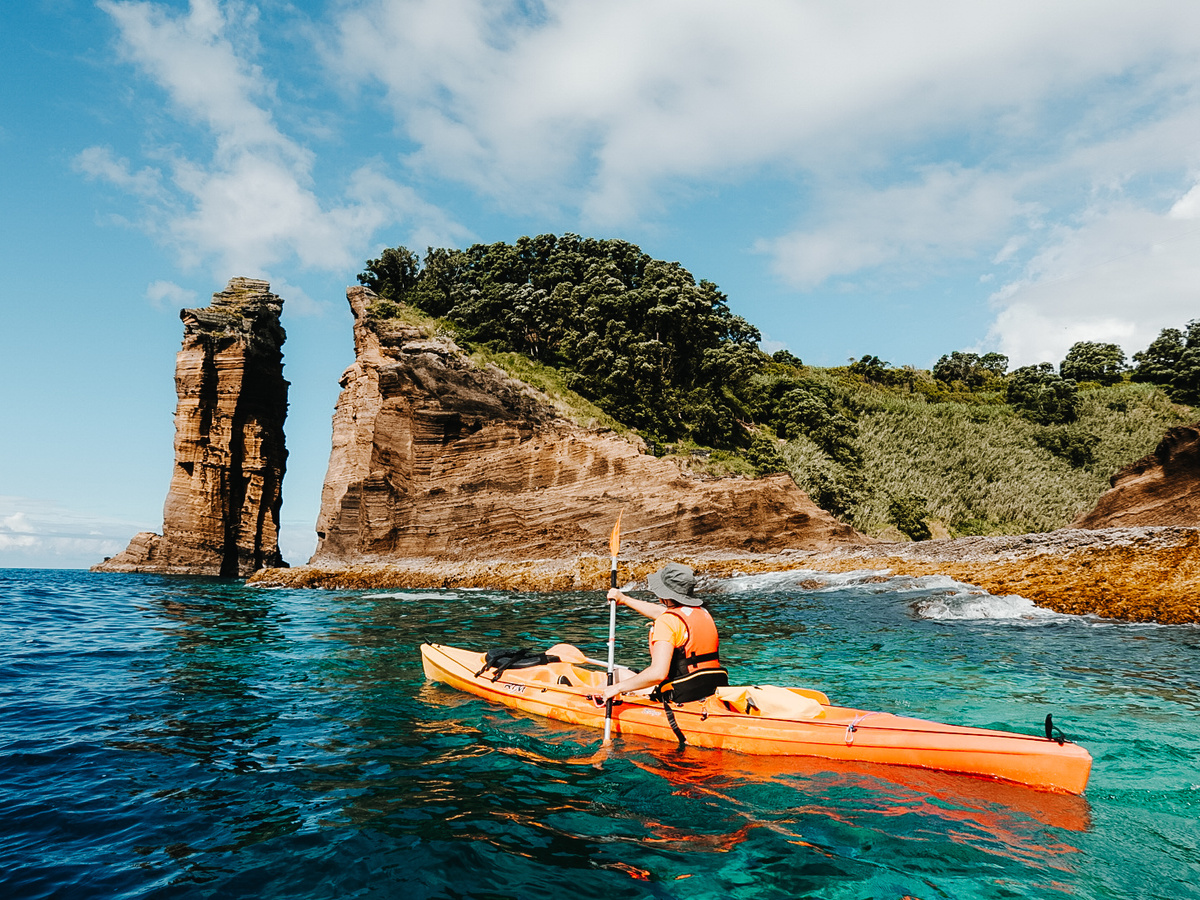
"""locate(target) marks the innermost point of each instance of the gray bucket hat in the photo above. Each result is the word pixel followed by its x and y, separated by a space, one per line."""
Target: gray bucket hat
pixel 676 582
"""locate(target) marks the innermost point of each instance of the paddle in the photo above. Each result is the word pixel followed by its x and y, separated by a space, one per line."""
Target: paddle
pixel 614 547
pixel 569 653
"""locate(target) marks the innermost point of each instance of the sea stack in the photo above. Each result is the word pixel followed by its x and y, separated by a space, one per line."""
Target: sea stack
pixel 221 515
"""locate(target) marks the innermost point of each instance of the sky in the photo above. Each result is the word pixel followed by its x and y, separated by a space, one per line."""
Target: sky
pixel 900 179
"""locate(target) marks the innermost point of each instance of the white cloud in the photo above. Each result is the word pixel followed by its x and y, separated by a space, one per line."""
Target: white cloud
pixel 1122 275
pixel 604 102
pixel 167 294
pixel 904 137
pixel 948 213
pixel 40 534
pixel 100 163
pixel 254 203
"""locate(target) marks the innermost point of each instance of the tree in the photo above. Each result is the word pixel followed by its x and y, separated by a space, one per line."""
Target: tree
pixel 971 370
pixel 994 363
pixel 1091 361
pixel 787 358
pixel 393 275
pixel 1041 395
pixel 1172 361
pixel 871 368
pixel 764 455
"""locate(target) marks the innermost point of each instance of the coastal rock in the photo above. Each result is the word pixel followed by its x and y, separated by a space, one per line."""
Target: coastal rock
pixel 221 516
pixel 1129 574
pixel 437 458
pixel 1160 489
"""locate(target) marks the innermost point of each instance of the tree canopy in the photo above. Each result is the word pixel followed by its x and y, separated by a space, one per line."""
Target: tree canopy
pixel 1172 361
pixel 640 337
pixel 1092 361
pixel 1042 396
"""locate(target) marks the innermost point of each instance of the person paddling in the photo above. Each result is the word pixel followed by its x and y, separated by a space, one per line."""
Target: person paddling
pixel 684 645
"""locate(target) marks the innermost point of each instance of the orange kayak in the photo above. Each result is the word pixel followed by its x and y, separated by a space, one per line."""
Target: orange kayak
pixel 570 693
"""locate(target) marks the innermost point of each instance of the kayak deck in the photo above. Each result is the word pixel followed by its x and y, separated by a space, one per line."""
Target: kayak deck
pixel 570 693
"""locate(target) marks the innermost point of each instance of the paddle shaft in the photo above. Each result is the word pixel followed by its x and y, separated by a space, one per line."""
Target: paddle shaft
pixel 612 641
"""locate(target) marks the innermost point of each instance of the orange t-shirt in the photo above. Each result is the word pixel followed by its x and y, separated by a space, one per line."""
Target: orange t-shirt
pixel 669 628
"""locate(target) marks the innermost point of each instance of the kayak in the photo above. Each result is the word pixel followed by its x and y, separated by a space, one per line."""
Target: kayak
pixel 570 692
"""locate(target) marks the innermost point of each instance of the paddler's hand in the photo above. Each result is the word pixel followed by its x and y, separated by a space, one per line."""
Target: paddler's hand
pixel 617 596
pixel 611 691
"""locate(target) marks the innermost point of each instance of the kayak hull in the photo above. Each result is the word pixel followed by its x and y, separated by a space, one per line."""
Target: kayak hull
pixel 570 693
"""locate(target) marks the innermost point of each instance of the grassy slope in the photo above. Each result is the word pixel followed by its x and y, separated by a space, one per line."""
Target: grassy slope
pixel 979 466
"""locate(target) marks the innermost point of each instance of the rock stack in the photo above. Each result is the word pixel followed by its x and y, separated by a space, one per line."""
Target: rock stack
pixel 221 515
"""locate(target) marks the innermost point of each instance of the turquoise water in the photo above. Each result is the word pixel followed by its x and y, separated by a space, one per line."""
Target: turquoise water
pixel 165 737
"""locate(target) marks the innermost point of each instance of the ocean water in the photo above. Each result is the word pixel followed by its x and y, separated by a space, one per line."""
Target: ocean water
pixel 173 737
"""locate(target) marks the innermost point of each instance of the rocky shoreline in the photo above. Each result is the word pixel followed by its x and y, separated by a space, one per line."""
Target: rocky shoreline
pixel 1136 574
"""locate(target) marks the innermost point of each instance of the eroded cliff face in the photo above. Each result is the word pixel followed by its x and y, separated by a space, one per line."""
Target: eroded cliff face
pixel 221 516
pixel 1160 489
pixel 435 458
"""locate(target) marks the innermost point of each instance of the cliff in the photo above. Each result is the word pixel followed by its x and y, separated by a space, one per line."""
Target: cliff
pixel 221 515
pixel 1160 489
pixel 435 458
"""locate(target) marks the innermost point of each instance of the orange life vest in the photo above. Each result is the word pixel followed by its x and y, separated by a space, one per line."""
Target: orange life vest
pixel 696 669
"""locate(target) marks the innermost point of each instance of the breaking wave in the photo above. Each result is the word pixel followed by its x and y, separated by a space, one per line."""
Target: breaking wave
pixel 939 597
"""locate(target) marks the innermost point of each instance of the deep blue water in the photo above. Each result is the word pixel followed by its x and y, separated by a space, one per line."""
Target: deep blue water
pixel 167 737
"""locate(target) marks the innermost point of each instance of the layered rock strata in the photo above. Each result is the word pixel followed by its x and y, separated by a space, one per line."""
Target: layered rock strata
pixel 436 458
pixel 221 516
pixel 1160 489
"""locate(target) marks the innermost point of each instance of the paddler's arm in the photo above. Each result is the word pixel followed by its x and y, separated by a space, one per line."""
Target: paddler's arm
pixel 653 674
pixel 647 609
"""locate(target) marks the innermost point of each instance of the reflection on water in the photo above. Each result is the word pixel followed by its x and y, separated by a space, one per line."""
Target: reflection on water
pixel 186 737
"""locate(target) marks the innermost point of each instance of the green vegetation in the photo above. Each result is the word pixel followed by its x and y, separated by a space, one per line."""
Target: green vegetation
pixel 1172 361
pixel 618 340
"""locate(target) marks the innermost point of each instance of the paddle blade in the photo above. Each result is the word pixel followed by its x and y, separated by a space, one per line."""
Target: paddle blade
pixel 614 540
pixel 568 653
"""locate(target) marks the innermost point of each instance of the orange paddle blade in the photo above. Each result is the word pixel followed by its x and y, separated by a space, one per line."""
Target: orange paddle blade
pixel 614 540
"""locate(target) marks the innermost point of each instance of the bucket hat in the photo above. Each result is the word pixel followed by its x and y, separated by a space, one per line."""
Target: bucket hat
pixel 676 582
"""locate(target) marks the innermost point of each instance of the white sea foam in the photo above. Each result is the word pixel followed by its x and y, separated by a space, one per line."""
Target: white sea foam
pixel 944 599
pixel 805 579
pixel 413 595
pixel 974 604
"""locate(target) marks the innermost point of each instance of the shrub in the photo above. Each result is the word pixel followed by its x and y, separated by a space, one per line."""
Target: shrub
pixel 1040 395
pixel 909 515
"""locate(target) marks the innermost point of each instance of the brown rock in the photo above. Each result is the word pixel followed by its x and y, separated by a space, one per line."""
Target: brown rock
pixel 436 458
pixel 1135 574
pixel 221 515
pixel 1160 489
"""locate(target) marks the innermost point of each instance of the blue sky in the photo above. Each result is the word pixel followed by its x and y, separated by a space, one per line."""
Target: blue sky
pixel 901 179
